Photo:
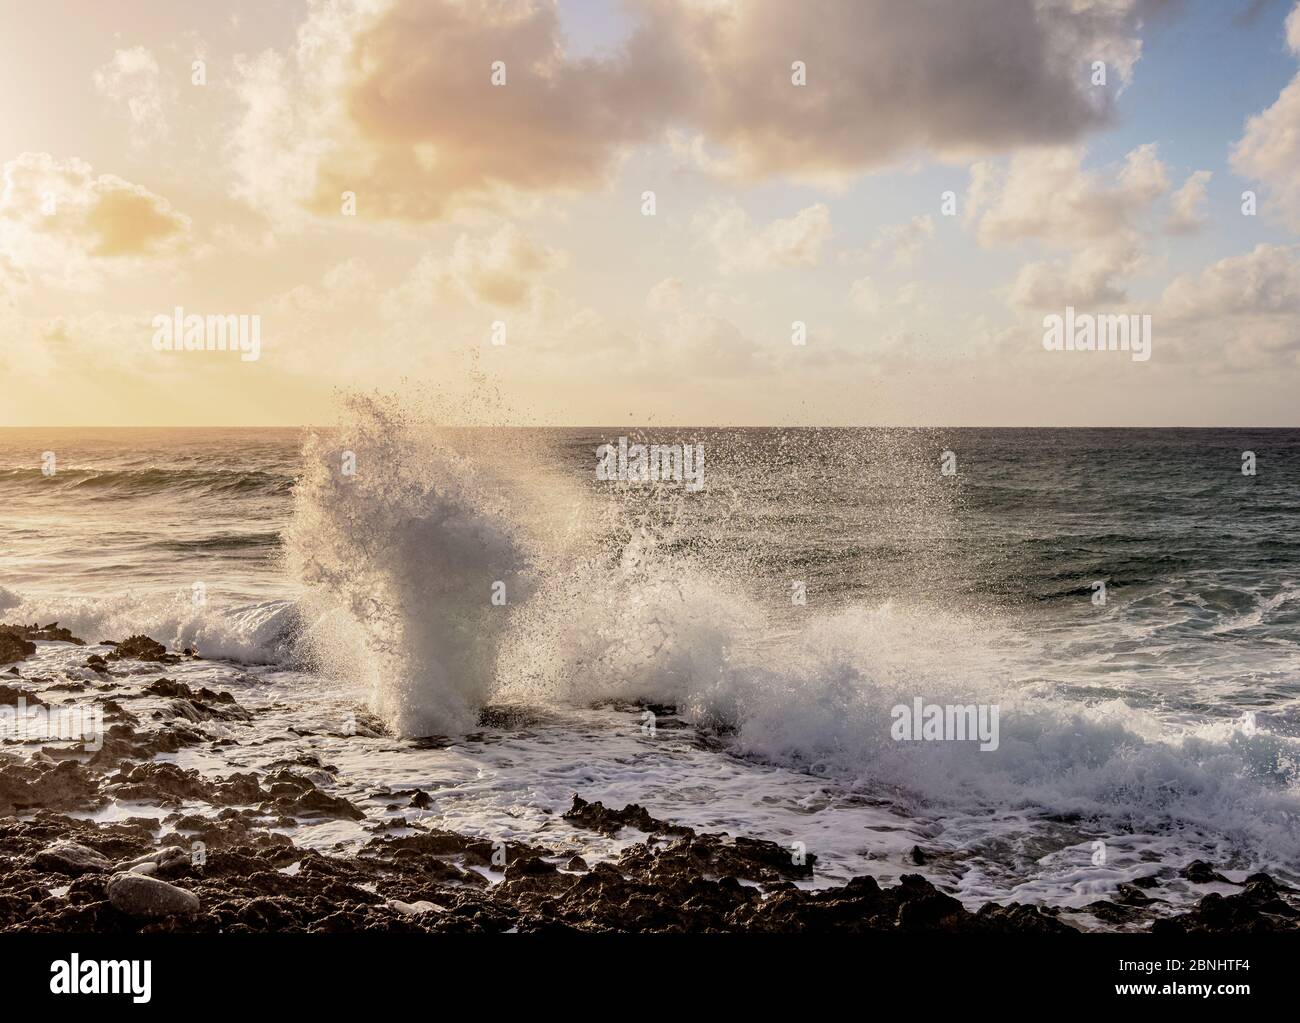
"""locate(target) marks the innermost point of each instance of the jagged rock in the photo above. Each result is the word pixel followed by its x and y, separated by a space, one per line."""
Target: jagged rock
pixel 13 647
pixel 596 817
pixel 141 648
pixel 1262 907
pixel 1200 872
pixel 36 784
pixel 16 640
pixel 10 695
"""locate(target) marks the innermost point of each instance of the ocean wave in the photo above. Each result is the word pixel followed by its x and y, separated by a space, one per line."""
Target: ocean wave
pixel 405 555
pixel 266 632
pixel 149 482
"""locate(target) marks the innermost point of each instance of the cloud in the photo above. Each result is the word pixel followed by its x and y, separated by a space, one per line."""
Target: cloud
pixel 132 78
pixel 1187 205
pixel 1242 311
pixel 394 99
pixel 903 242
pixel 925 76
pixel 503 269
pixel 61 221
pixel 1097 220
pixel 1269 150
pixel 792 241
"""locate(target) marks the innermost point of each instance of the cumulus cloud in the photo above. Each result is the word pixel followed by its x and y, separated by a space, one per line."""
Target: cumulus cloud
pixel 503 269
pixel 60 220
pixel 1269 150
pixel 1187 205
pixel 394 99
pixel 1242 311
pixel 791 241
pixel 902 243
pixel 1096 220
pixel 132 79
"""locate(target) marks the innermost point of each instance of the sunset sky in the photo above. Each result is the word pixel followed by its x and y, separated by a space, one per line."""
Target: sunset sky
pixel 129 190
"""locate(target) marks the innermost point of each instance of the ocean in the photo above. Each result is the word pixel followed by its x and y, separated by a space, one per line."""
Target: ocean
pixel 474 613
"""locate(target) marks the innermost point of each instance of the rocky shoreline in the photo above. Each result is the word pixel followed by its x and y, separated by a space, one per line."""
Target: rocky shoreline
pixel 233 868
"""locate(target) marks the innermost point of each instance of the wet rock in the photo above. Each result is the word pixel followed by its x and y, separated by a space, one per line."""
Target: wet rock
pixel 121 742
pixel 16 640
pixel 297 796
pixel 1200 872
pixel 142 648
pixel 70 858
pixel 1263 907
pixel 13 647
pixel 917 856
pixel 199 710
pixel 530 866
pixel 596 817
pixel 10 695
pixel 576 863
pixel 39 784
pixel 1019 919
pixel 421 801
pixel 143 896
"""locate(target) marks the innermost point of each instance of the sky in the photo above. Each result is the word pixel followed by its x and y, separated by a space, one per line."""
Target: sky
pixel 652 212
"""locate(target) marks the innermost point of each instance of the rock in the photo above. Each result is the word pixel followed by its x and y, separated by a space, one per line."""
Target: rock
pixel 37 785
pixel 13 647
pixel 139 895
pixel 576 863
pixel 421 801
pixel 70 858
pixel 17 639
pixel 415 908
pixel 1200 872
pixel 168 861
pixel 596 817
pixel 10 695
pixel 530 866
pixel 917 856
pixel 140 648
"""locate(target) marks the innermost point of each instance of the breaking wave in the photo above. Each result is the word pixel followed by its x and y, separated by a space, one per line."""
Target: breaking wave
pixel 400 562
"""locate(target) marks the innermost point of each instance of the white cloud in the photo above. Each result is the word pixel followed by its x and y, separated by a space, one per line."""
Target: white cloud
pixel 132 78
pixel 1242 311
pixel 792 241
pixel 1097 221
pixel 1187 205
pixel 1269 150
pixel 63 223
pixel 390 97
